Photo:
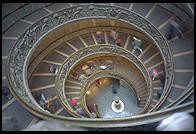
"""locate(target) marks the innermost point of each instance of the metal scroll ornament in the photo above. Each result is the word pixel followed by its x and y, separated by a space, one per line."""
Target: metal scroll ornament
pixel 92 50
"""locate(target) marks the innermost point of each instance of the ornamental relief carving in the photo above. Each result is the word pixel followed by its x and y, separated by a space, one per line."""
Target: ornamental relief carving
pixel 27 42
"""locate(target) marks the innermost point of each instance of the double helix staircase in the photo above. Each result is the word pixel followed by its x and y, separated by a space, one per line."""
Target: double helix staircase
pixel 179 97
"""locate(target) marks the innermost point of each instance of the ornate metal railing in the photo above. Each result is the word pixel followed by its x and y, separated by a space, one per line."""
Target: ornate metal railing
pixel 63 38
pixel 23 49
pixel 101 74
pixel 94 50
pixel 95 107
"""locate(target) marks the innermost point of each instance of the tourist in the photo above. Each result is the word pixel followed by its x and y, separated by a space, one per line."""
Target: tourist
pixel 159 93
pixel 81 112
pixel 72 102
pixel 91 64
pixel 90 107
pixel 97 82
pixel 118 42
pixel 174 30
pixel 56 70
pixel 53 69
pixel 114 91
pixel 51 107
pixel 47 106
pixel 43 102
pixel 43 98
pixel 153 73
pixel 7 93
pixel 162 79
pixel 137 44
pixel 114 35
pixel 100 38
pixel 82 77
pixel 93 115
pixel 50 68
pixel 87 69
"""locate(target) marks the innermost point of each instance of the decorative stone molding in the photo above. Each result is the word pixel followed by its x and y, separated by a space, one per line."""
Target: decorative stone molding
pixel 20 54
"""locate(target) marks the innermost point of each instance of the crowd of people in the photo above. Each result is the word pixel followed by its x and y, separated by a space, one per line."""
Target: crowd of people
pixel 116 40
pixel 75 106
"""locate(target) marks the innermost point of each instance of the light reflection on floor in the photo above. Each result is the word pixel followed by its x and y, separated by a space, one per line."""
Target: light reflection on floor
pixel 102 96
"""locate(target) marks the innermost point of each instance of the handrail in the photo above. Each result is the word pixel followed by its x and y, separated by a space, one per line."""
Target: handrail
pixel 98 75
pixel 23 49
pixel 118 122
pixel 190 8
pixel 75 34
pixel 96 110
pixel 93 50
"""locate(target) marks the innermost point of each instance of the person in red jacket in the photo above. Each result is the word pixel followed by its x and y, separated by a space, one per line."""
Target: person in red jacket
pixel 117 42
pixel 73 102
pixel 97 81
pixel 90 107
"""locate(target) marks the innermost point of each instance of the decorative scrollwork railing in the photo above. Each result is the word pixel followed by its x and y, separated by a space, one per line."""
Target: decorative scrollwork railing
pixel 92 50
pixel 23 49
pixel 66 37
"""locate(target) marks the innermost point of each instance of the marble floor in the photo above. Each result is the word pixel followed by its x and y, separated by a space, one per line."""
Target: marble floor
pixel 103 96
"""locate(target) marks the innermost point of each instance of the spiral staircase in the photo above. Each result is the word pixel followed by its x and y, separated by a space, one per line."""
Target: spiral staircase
pixel 64 35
